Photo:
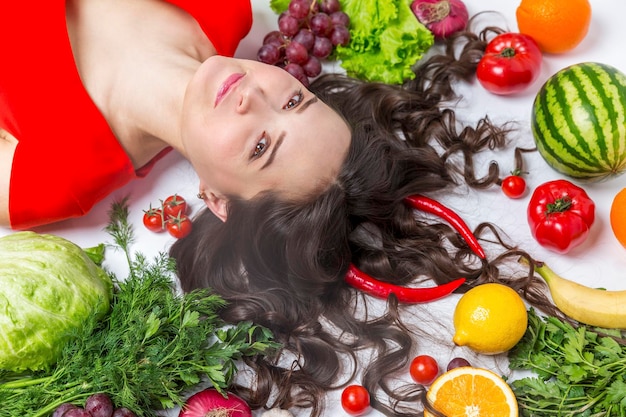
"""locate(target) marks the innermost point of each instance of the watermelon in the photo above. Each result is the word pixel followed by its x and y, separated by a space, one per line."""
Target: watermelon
pixel 579 121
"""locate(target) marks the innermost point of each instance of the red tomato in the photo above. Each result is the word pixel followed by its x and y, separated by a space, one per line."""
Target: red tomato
pixel 153 219
pixel 560 215
pixel 355 400
pixel 511 63
pixel 179 226
pixel 173 205
pixel 514 186
pixel 424 369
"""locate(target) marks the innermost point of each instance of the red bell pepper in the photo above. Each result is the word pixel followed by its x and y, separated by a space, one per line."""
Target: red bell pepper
pixel 560 215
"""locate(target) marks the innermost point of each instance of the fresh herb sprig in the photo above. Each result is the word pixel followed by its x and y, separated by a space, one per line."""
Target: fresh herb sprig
pixel 580 371
pixel 151 349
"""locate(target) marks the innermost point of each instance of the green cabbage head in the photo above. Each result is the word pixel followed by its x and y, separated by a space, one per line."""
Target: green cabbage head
pixel 48 287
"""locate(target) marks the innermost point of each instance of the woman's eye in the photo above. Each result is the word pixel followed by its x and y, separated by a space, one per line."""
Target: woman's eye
pixel 294 101
pixel 259 148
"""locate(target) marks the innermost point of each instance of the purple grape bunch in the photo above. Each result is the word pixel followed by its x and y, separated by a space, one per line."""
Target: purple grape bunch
pixel 308 31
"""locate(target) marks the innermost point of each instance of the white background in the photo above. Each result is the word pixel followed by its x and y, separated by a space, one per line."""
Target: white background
pixel 599 262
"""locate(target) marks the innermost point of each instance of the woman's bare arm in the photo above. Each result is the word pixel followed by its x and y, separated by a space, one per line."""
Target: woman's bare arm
pixel 7 149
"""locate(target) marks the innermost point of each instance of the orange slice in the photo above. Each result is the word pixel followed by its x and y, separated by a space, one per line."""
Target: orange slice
pixel 472 392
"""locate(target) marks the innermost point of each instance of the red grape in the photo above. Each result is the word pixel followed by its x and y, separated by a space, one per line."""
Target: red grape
pixel 269 54
pixel 274 38
pixel 296 53
pixel 322 47
pixel 123 412
pixel 308 31
pixel 313 67
pixel 340 19
pixel 288 24
pixel 306 38
pixel 299 9
pixel 321 25
pixel 340 36
pixel 99 405
pixel 330 6
pixel 457 363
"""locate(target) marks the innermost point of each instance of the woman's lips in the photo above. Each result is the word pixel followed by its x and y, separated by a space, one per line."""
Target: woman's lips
pixel 226 87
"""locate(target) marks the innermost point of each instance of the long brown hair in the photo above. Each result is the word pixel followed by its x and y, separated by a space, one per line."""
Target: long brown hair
pixel 281 263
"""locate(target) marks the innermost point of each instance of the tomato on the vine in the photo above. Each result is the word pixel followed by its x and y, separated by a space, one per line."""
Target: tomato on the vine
pixel 179 226
pixel 424 369
pixel 173 205
pixel 355 400
pixel 514 186
pixel 153 219
pixel 511 63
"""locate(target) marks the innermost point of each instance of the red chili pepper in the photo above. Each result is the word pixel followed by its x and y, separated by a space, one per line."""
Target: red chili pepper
pixel 431 206
pixel 371 286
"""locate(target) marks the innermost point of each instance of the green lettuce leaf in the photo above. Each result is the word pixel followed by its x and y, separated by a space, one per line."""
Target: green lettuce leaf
pixel 387 40
pixel 279 6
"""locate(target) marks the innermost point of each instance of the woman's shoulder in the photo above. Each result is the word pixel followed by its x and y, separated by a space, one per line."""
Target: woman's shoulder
pixel 225 23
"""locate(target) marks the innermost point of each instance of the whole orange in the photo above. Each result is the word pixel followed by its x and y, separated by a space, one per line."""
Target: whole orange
pixel 557 25
pixel 618 216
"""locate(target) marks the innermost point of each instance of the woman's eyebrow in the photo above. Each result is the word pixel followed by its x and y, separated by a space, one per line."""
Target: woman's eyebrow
pixel 306 104
pixel 272 155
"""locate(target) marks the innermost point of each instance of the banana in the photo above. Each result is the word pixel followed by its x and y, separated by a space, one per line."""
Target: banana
pixel 592 306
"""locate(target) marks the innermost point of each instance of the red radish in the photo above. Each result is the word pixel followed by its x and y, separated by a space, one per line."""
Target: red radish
pixel 211 403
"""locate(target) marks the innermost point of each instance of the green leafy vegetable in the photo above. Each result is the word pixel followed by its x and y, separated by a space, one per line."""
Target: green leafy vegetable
pixel 386 40
pixel 579 371
pixel 48 287
pixel 153 346
pixel 279 6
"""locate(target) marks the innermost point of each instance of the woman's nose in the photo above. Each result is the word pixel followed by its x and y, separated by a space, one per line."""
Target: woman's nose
pixel 249 98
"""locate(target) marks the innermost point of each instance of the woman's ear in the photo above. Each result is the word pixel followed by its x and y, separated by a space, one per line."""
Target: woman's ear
pixel 217 204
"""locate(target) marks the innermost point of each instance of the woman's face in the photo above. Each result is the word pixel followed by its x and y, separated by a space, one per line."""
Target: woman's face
pixel 249 127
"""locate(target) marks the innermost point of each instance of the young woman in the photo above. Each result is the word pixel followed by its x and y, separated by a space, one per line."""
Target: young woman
pixel 298 183
pixel 94 92
pixel 280 259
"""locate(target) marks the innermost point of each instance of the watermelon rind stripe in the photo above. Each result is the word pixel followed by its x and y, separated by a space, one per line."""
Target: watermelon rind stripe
pixel 619 119
pixel 603 79
pixel 578 144
pixel 597 115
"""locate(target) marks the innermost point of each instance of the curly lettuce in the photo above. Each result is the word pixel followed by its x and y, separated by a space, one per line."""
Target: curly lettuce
pixel 386 41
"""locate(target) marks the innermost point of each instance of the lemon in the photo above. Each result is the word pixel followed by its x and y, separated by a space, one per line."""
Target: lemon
pixel 490 319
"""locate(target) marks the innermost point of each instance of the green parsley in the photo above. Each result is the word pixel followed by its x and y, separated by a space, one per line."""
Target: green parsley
pixel 153 347
pixel 580 371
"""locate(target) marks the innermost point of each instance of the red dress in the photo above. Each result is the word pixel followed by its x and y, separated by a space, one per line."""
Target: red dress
pixel 67 158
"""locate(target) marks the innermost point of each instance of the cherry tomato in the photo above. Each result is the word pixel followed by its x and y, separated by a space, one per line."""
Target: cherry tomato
pixel 424 369
pixel 179 226
pixel 355 400
pixel 153 220
pixel 173 205
pixel 514 186
pixel 511 63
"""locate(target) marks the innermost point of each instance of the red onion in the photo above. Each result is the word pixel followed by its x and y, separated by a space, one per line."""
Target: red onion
pixel 211 403
pixel 441 17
